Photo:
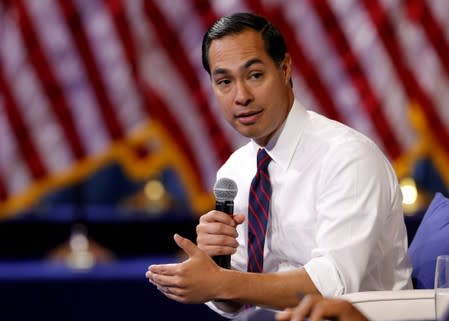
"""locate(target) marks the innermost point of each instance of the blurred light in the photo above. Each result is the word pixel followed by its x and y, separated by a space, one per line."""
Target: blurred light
pixel 80 256
pixel 409 191
pixel 79 242
pixel 154 190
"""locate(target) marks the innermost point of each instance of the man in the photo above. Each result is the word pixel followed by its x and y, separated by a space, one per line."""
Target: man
pixel 334 222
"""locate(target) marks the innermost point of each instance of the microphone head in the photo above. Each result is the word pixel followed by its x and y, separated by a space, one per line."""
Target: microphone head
pixel 225 189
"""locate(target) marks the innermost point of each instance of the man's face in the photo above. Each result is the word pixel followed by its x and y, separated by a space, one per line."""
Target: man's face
pixel 254 93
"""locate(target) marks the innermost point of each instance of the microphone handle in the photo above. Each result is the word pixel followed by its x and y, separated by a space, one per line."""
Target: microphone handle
pixel 226 207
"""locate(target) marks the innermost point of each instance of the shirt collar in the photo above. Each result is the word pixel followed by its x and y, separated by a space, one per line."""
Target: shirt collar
pixel 282 145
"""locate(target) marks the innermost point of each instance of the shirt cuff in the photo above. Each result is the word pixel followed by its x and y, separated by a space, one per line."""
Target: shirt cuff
pixel 228 315
pixel 324 276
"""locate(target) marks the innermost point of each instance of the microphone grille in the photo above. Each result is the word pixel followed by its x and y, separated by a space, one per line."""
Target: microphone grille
pixel 225 189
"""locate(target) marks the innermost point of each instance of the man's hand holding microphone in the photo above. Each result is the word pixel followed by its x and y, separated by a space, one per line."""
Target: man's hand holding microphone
pixel 199 279
pixel 216 232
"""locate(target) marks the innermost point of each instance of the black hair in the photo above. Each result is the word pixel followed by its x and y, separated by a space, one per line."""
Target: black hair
pixel 236 23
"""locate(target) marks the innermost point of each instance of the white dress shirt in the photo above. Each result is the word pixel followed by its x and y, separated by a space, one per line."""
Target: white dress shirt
pixel 336 207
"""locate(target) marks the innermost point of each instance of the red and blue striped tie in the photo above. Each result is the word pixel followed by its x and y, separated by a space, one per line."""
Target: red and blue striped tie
pixel 258 211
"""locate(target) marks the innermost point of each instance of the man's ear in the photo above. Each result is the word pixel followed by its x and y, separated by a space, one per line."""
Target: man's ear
pixel 286 67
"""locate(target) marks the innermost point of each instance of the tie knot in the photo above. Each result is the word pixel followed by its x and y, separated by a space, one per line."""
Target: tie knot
pixel 263 159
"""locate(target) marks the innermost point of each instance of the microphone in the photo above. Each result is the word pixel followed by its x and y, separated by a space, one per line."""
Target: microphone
pixel 225 190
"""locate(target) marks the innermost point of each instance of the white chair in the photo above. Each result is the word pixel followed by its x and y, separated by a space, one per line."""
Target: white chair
pixel 395 305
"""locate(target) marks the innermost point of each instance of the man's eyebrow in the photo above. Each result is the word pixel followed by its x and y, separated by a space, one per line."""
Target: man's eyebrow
pixel 251 62
pixel 220 71
pixel 246 65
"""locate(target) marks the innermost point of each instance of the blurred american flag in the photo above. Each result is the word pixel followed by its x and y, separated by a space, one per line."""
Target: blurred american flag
pixel 87 82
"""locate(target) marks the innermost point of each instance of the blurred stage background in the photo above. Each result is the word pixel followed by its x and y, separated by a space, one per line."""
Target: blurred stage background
pixel 110 135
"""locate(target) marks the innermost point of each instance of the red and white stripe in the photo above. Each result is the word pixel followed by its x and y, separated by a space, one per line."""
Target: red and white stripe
pixel 78 77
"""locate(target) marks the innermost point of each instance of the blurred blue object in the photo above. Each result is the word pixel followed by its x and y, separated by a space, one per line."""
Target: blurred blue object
pixel 110 185
pixel 39 290
pixel 428 178
pixel 431 239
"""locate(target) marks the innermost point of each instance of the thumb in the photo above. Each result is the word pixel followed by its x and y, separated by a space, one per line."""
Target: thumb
pixel 186 245
pixel 238 218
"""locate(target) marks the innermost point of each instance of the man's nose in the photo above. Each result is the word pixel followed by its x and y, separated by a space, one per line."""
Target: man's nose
pixel 243 95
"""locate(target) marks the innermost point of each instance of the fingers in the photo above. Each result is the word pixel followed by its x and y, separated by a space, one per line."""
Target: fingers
pixel 285 315
pixel 186 245
pixel 305 307
pixel 214 250
pixel 220 217
pixel 239 218
pixel 217 217
pixel 216 233
pixel 317 308
pixel 190 281
pixel 214 243
pixel 160 280
pixel 216 228
pixel 159 274
pixel 337 308
pixel 325 309
pixel 164 269
pixel 166 278
pixel 173 294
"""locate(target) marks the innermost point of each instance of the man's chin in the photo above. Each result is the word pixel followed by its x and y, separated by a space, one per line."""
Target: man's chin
pixel 248 134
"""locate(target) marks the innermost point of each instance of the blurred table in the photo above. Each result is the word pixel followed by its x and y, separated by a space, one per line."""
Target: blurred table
pixel 39 290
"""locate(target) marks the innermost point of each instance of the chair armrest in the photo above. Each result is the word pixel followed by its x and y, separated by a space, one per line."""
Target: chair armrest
pixel 395 305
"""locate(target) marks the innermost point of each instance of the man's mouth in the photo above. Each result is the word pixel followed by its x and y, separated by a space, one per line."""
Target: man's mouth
pixel 248 117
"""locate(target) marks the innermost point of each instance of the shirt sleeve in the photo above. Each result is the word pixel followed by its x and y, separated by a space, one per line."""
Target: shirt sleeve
pixel 355 191
pixel 211 305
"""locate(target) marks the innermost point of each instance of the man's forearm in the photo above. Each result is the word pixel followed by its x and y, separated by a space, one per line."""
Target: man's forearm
pixel 275 290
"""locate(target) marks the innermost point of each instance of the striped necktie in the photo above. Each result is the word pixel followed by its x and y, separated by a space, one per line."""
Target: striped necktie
pixel 258 211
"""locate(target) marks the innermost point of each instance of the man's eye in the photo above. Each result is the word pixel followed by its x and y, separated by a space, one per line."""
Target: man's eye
pixel 256 75
pixel 223 82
